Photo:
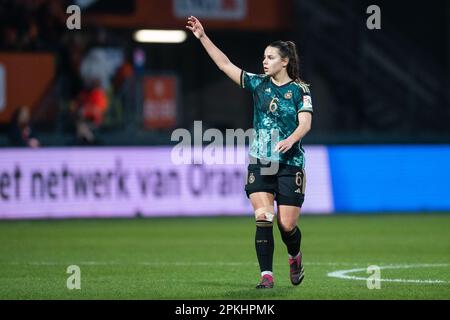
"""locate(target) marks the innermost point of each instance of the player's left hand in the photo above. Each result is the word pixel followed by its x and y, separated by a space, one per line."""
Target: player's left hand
pixel 284 145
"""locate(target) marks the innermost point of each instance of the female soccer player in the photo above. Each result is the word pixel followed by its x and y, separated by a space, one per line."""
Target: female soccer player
pixel 283 108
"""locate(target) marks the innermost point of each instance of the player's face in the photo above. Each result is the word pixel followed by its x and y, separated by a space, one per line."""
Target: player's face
pixel 273 63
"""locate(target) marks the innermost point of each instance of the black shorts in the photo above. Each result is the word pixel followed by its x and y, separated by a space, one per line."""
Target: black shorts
pixel 287 183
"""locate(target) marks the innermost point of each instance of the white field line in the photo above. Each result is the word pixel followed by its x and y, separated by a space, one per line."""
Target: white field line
pixel 163 263
pixel 344 274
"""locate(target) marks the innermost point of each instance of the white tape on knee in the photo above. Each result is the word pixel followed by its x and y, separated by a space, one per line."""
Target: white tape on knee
pixel 266 213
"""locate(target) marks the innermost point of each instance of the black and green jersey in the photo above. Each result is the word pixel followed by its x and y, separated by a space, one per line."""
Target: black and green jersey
pixel 276 111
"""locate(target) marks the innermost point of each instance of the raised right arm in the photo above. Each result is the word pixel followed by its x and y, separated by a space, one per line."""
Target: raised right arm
pixel 219 58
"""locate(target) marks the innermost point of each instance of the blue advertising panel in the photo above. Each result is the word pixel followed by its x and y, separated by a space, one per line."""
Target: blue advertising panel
pixel 390 178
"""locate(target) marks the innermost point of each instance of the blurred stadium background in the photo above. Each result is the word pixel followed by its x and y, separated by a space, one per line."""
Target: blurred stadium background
pixel 86 118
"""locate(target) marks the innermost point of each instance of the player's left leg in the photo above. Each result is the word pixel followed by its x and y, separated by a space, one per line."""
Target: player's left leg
pixel 290 196
pixel 290 233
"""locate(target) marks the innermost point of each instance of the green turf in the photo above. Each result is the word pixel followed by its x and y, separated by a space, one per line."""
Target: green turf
pixel 214 258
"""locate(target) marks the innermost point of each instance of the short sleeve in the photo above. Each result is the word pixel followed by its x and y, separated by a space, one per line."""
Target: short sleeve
pixel 305 103
pixel 250 81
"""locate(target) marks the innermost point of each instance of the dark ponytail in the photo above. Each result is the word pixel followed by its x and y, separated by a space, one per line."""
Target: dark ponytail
pixel 288 50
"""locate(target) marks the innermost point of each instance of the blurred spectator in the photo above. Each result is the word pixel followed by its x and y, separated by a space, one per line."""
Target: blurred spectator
pixel 31 38
pixel 122 75
pixel 89 109
pixel 10 38
pixel 31 25
pixel 51 19
pixel 71 56
pixel 97 66
pixel 20 130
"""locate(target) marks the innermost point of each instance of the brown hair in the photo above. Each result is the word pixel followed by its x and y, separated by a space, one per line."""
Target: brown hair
pixel 288 50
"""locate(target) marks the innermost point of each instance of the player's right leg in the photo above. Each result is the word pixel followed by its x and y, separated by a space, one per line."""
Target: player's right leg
pixel 262 203
pixel 260 190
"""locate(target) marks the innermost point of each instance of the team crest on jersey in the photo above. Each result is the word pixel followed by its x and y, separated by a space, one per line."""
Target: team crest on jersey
pixel 251 178
pixel 288 95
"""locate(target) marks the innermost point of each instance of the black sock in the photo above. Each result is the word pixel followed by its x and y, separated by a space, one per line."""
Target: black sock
pixel 292 240
pixel 264 245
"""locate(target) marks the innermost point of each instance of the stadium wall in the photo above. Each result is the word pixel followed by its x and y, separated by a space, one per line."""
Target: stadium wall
pixel 149 182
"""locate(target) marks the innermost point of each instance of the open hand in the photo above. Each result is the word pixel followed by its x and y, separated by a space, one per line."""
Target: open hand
pixel 196 27
pixel 284 145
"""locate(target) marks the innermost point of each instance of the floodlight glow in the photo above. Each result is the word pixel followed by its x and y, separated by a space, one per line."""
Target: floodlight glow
pixel 160 36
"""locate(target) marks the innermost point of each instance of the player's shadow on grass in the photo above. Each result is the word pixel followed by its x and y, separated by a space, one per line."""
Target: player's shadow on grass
pixel 230 290
pixel 253 293
pixel 235 291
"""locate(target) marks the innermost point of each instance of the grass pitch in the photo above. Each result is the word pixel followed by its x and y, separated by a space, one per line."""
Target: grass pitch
pixel 214 258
